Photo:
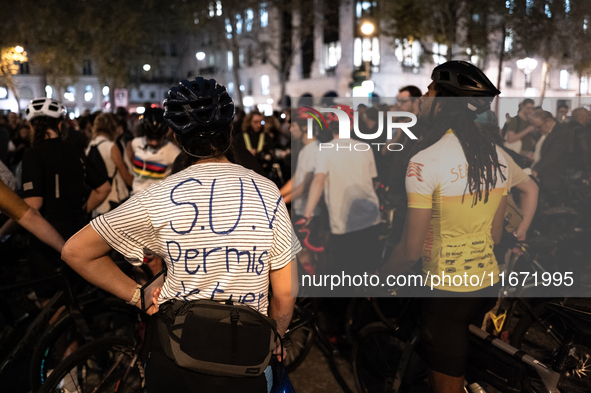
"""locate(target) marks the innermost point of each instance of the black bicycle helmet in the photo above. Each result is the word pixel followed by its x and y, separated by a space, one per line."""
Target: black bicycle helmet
pixel 463 79
pixel 153 124
pixel 199 107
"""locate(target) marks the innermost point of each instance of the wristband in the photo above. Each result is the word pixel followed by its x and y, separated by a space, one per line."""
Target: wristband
pixel 136 296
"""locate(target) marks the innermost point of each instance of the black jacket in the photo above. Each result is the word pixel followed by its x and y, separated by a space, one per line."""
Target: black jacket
pixel 581 160
pixel 555 154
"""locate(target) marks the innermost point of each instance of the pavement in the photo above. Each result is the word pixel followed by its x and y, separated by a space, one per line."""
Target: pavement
pixel 314 375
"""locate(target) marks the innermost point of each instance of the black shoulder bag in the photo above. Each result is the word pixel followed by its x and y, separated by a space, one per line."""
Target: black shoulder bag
pixel 223 339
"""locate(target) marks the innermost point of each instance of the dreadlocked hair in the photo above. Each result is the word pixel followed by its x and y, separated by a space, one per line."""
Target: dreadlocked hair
pixel 478 146
pixel 41 125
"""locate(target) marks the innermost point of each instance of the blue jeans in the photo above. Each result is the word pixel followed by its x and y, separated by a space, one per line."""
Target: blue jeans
pixel 269 376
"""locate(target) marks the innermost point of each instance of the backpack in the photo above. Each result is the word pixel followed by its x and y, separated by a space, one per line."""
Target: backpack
pixel 94 157
pixel 224 339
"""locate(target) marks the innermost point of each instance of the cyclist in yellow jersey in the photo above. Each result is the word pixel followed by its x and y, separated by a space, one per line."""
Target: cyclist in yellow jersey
pixel 455 182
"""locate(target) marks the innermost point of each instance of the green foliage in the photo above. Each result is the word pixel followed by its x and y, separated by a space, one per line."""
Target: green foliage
pixel 455 23
pixel 60 35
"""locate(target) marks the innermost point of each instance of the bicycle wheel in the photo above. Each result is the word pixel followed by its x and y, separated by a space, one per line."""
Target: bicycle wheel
pixel 376 356
pixel 301 340
pixel 540 334
pixel 103 365
pixel 110 318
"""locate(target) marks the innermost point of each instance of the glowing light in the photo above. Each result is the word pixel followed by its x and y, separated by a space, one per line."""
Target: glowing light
pixel 283 115
pixel 48 91
pixel 88 96
pixel 248 101
pixel 19 49
pixel 3 93
pixel 140 110
pixel 367 28
pixel 269 101
pixel 527 64
pixel 147 67
pixel 106 90
pixel 368 86
pixel 200 55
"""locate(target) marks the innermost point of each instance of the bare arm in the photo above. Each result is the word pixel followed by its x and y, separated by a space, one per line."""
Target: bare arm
pixel 121 167
pixel 529 203
pixel 86 253
pixel 129 152
pixel 409 250
pixel 33 222
pixel 316 188
pixel 497 224
pixel 286 192
pixel 284 295
pixel 97 196
pixel 512 136
pixel 298 191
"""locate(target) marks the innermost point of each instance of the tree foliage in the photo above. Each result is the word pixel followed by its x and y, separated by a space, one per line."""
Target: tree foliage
pixel 60 35
pixel 458 24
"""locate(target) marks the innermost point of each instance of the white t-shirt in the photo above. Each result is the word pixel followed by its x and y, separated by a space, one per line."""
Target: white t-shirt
pixel 219 227
pixel 348 189
pixel 306 165
pixel 119 190
pixel 150 165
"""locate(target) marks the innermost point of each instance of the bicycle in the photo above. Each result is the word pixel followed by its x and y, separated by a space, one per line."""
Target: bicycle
pixel 557 333
pixel 20 337
pixel 113 364
pixel 385 360
pixel 81 317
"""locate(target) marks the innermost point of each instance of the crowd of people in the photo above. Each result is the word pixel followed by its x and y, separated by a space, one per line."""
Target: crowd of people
pixel 148 180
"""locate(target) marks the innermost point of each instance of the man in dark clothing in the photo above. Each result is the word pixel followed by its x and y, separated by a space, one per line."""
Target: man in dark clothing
pixel 518 128
pixel 4 139
pixel 581 141
pixel 554 153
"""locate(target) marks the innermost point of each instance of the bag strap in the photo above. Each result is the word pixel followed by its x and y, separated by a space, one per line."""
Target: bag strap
pixel 114 173
pixel 234 317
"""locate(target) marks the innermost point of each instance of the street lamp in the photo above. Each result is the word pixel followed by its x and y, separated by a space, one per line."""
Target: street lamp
pixel 527 65
pixel 367 29
pixel 200 55
pixel 147 67
pixel 19 49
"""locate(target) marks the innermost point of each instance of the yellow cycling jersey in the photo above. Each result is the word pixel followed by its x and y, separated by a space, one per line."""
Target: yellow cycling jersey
pixel 459 239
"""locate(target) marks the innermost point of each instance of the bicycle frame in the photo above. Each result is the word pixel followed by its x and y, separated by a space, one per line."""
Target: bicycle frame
pixel 41 319
pixel 548 376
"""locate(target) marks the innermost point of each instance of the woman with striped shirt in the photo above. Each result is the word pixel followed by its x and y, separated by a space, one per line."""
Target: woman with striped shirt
pixel 223 231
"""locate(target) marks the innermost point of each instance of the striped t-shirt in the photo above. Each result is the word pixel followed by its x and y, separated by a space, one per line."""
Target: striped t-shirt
pixel 219 227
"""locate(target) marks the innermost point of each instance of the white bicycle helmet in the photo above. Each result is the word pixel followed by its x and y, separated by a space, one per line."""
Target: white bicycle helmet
pixel 44 107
